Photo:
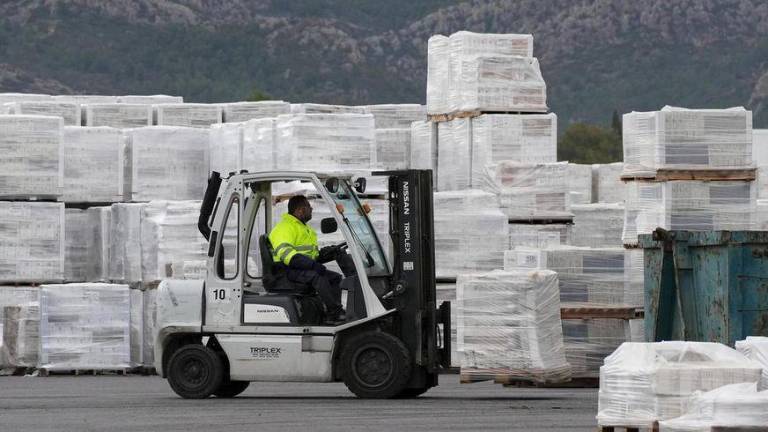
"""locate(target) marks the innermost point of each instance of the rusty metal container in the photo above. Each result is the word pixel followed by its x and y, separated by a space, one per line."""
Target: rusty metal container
pixel 709 286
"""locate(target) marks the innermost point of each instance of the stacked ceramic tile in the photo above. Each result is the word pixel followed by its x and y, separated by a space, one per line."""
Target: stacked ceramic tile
pixel 580 183
pixel 30 156
pixel 188 115
pixel 454 154
pixel 540 236
pixel 396 116
pixel 32 247
pixel 118 115
pixel 607 186
pixel 86 99
pixel 313 108
pixel 93 159
pixel 259 145
pixel 243 111
pixel 76 244
pixel 597 225
pixel 226 143
pixel 99 225
pixel 125 243
pixel 393 148
pixel 150 99
pixel 528 191
pixel 23 97
pixel 760 157
pixel 19 348
pixel 423 147
pixel 634 278
pixel 69 112
pixel 143 326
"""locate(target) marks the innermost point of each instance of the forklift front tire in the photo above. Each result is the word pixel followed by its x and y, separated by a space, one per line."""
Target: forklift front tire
pixel 376 365
pixel 230 389
pixel 195 371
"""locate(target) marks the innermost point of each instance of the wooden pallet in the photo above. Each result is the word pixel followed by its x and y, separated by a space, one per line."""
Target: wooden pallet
pixel 437 118
pixel 599 311
pixel 32 198
pixel 510 377
pixel 739 429
pixel 43 372
pixel 633 428
pixel 534 220
pixel 666 174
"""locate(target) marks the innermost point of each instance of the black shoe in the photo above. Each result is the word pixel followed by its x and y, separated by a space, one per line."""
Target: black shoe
pixel 337 318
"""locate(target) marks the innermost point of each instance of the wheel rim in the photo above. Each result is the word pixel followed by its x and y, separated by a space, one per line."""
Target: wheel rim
pixel 194 372
pixel 372 366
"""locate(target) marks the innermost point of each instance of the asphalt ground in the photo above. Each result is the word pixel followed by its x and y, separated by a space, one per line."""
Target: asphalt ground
pixel 139 403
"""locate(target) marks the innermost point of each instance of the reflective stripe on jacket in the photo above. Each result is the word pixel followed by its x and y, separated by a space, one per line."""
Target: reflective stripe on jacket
pixel 291 236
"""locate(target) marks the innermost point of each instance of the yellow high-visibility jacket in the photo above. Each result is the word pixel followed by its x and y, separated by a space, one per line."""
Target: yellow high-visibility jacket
pixel 290 237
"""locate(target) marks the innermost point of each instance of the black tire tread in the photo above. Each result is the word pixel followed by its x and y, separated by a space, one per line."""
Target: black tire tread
pixel 230 389
pixel 217 370
pixel 397 348
pixel 410 393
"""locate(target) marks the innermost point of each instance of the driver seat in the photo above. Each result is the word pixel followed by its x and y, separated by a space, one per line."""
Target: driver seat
pixel 275 279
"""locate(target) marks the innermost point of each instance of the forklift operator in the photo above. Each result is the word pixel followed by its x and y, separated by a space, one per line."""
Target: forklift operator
pixel 296 251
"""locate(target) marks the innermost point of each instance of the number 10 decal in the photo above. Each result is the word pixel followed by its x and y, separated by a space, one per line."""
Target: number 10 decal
pixel 219 295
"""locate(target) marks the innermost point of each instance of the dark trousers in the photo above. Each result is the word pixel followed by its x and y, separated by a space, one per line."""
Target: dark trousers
pixel 326 285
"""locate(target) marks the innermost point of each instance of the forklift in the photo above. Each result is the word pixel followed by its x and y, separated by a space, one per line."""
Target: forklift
pixel 246 322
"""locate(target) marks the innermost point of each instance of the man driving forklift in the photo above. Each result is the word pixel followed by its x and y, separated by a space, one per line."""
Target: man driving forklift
pixel 296 253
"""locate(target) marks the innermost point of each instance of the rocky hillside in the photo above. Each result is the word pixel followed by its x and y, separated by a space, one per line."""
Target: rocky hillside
pixel 596 55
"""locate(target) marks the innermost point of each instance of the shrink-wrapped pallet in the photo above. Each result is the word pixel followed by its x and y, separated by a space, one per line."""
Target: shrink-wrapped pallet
pixel 597 225
pixel 23 97
pixel 30 156
pixel 540 235
pixel 26 297
pixel 641 383
pixel 32 246
pixel 580 184
pixel 589 342
pixel 226 142
pixel 593 275
pixel 259 149
pixel 634 278
pixel 393 148
pixel 21 336
pixel 325 142
pixel 119 115
pixel 447 292
pixel 188 115
pixel 150 99
pixel 424 147
pixel 470 233
pixel 94 160
pixel 688 205
pixel 530 258
pixel 509 324
pixel 607 186
pixel 168 162
pixel 85 326
pixel 86 99
pixel 69 112
pixel 530 191
pixel 313 108
pixel 760 157
pixel 735 407
pixel 454 154
pixel 244 111
pixel 396 116
pixel 125 243
pixel 76 244
pixel 680 138
pixel 136 332
pixel 438 74
pixel 149 329
pixel 99 224
pixel 171 245
pixel 756 348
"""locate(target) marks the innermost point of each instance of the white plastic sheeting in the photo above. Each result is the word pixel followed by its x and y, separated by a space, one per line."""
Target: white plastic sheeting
pixel 756 348
pixel 396 116
pixel 634 277
pixel 168 162
pixel 393 148
pixel 125 243
pixel 530 190
pixel 143 326
pixel 119 115
pixel 438 74
pixel 760 157
pixel 470 233
pixel 540 235
pixel 94 164
pixel 644 382
pixel 509 322
pixel 313 108
pixel 259 148
pixel 188 115
pixel 99 225
pixel 424 147
pixel 171 245
pixel 607 186
pixel 589 342
pixel 69 112
pixel 76 242
pixel 86 99
pixel 32 246
pixel 30 156
pixel 580 183
pixel 597 225
pixel 733 406
pixel 23 97
pixel 688 205
pixel 150 99
pixel 325 142
pixel 226 143
pixel 687 139
pixel 244 111
pixel 23 340
pixel 454 154
pixel 84 326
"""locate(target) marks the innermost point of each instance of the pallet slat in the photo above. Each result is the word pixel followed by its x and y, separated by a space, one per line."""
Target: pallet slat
pixel 745 174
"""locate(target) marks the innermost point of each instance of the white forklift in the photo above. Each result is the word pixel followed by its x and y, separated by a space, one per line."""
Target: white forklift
pixel 246 322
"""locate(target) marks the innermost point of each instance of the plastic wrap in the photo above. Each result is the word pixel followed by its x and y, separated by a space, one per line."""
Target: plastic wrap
pixel 76 244
pixel 99 225
pixel 644 382
pixel 447 292
pixel 244 111
pixel 69 112
pixel 20 339
pixel 687 139
pixel 226 143
pixel 313 108
pixel 756 348
pixel 760 157
pixel 150 327
pixel 597 225
pixel 454 154
pixel 580 184
pixel 30 156
pixel 125 243
pixel 396 116
pixel 168 162
pixel 424 147
pixel 540 236
pixel 733 406
pixel 688 205
pixel 84 326
pixel 509 322
pixel 634 277
pixel 637 330
pixel 325 142
pixel 607 186
pixel 188 115
pixel 171 245
pixel 150 99
pixel 136 298
pixel 32 245
pixel 393 148
pixel 22 296
pixel 86 99
pixel 119 115
pixel 438 74
pixel 94 159
pixel 530 190
pixel 589 342
pixel 259 150
pixel 23 97
pixel 470 233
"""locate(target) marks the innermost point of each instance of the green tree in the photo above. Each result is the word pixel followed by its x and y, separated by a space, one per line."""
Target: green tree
pixel 587 144
pixel 258 95
pixel 616 123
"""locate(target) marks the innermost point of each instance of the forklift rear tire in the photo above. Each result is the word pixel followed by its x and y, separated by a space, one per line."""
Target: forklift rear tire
pixel 195 371
pixel 375 365
pixel 230 389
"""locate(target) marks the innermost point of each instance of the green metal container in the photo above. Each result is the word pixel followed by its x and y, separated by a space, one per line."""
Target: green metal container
pixel 709 286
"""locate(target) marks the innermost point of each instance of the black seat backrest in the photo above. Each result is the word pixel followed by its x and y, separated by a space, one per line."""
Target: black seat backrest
pixel 267 264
